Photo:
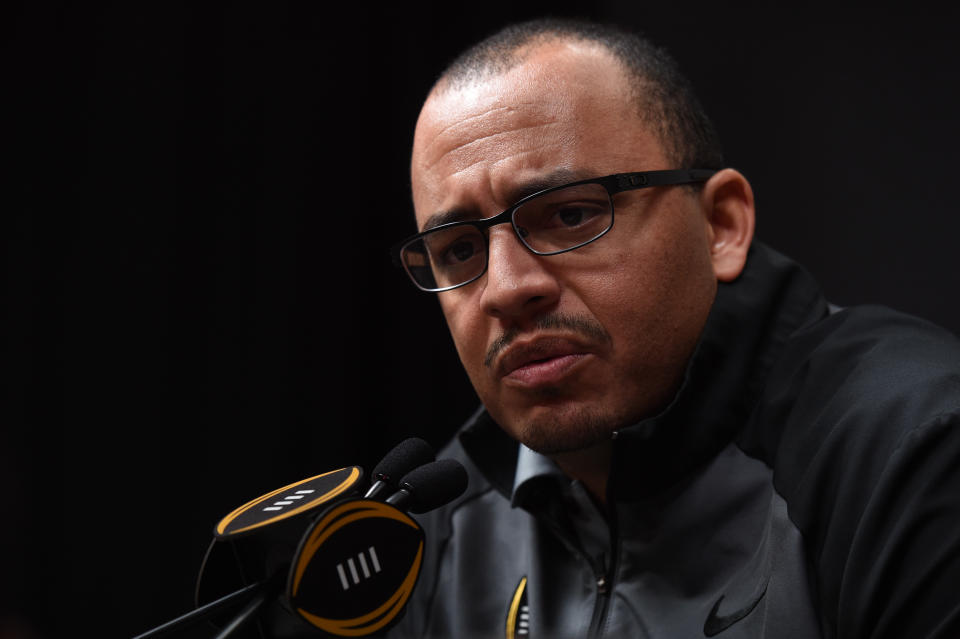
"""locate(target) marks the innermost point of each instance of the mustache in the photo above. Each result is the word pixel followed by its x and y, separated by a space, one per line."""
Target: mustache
pixel 583 326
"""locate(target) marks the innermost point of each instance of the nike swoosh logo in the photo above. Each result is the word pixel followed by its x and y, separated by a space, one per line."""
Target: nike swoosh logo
pixel 716 623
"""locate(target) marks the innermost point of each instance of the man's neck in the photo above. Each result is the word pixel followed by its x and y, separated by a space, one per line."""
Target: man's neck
pixel 590 466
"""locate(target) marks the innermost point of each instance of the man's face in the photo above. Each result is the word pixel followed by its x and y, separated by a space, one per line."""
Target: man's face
pixel 565 349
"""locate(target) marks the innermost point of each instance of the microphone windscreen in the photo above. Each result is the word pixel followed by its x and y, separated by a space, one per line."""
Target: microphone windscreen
pixel 433 485
pixel 405 456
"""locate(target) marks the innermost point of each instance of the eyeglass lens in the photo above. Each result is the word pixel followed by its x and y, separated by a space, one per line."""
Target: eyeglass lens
pixel 551 223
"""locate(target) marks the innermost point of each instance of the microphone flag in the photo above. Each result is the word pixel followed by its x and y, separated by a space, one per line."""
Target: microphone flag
pixel 324 556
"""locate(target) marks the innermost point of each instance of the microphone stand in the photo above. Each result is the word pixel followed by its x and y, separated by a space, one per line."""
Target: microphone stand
pixel 248 613
pixel 208 610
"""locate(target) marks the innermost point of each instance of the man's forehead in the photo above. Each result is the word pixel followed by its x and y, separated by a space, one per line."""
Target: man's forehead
pixel 453 115
pixel 569 83
pixel 565 105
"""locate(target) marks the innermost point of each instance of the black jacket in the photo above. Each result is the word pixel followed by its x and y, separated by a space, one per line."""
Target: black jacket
pixel 804 482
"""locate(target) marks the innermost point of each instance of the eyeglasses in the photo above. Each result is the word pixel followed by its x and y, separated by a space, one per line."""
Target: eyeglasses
pixel 549 222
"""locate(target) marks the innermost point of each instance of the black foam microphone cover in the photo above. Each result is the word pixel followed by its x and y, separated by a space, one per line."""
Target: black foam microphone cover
pixel 404 457
pixel 435 484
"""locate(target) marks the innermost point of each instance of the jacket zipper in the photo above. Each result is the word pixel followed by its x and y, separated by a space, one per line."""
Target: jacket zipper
pixel 605 575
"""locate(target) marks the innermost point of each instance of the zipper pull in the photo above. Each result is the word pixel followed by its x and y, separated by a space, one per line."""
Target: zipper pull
pixel 602 586
pixel 601 571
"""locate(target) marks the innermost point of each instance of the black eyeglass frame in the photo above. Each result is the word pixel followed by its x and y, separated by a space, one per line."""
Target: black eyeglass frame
pixel 616 183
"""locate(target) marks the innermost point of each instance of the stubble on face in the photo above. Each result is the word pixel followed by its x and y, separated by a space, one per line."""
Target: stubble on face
pixel 584 326
pixel 561 426
pixel 567 429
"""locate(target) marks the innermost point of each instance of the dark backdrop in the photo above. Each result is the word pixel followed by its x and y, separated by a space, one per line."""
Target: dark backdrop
pixel 197 298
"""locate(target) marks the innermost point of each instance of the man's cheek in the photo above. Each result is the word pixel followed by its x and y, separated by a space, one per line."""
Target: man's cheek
pixel 470 349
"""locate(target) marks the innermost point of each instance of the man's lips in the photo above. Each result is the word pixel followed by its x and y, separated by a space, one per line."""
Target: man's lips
pixel 540 361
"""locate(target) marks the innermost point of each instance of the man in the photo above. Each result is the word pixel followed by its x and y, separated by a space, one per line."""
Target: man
pixel 679 437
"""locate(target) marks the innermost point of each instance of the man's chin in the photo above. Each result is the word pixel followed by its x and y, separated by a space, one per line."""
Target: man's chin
pixel 564 430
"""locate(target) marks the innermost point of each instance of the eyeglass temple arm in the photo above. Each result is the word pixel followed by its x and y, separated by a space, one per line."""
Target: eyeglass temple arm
pixel 671 177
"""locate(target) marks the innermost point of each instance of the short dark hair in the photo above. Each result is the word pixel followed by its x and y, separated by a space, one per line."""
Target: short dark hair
pixel 664 96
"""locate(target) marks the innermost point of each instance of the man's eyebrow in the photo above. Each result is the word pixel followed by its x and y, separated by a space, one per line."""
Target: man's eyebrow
pixel 559 177
pixel 446 217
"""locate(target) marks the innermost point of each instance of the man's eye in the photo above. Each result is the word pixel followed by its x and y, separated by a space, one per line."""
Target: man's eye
pixel 461 251
pixel 571 216
pixel 575 215
pixel 458 250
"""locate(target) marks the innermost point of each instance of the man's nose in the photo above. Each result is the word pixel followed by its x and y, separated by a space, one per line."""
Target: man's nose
pixel 517 284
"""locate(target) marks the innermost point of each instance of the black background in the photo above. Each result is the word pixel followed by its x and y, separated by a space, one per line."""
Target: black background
pixel 198 304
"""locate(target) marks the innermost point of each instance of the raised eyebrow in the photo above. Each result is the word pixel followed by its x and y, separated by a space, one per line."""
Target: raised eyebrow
pixel 558 177
pixel 446 217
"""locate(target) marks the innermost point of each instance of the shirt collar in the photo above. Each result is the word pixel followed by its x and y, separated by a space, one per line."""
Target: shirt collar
pixel 534 472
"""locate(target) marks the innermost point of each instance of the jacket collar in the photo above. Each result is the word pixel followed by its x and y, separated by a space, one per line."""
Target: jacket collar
pixel 749 323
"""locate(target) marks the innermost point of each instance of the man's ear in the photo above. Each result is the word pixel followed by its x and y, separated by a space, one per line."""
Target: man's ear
pixel 727 200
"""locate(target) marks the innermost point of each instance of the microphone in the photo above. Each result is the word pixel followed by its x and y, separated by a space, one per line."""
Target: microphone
pixel 316 555
pixel 430 486
pixel 408 455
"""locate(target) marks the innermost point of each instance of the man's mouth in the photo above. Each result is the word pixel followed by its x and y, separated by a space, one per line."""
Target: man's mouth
pixel 542 361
